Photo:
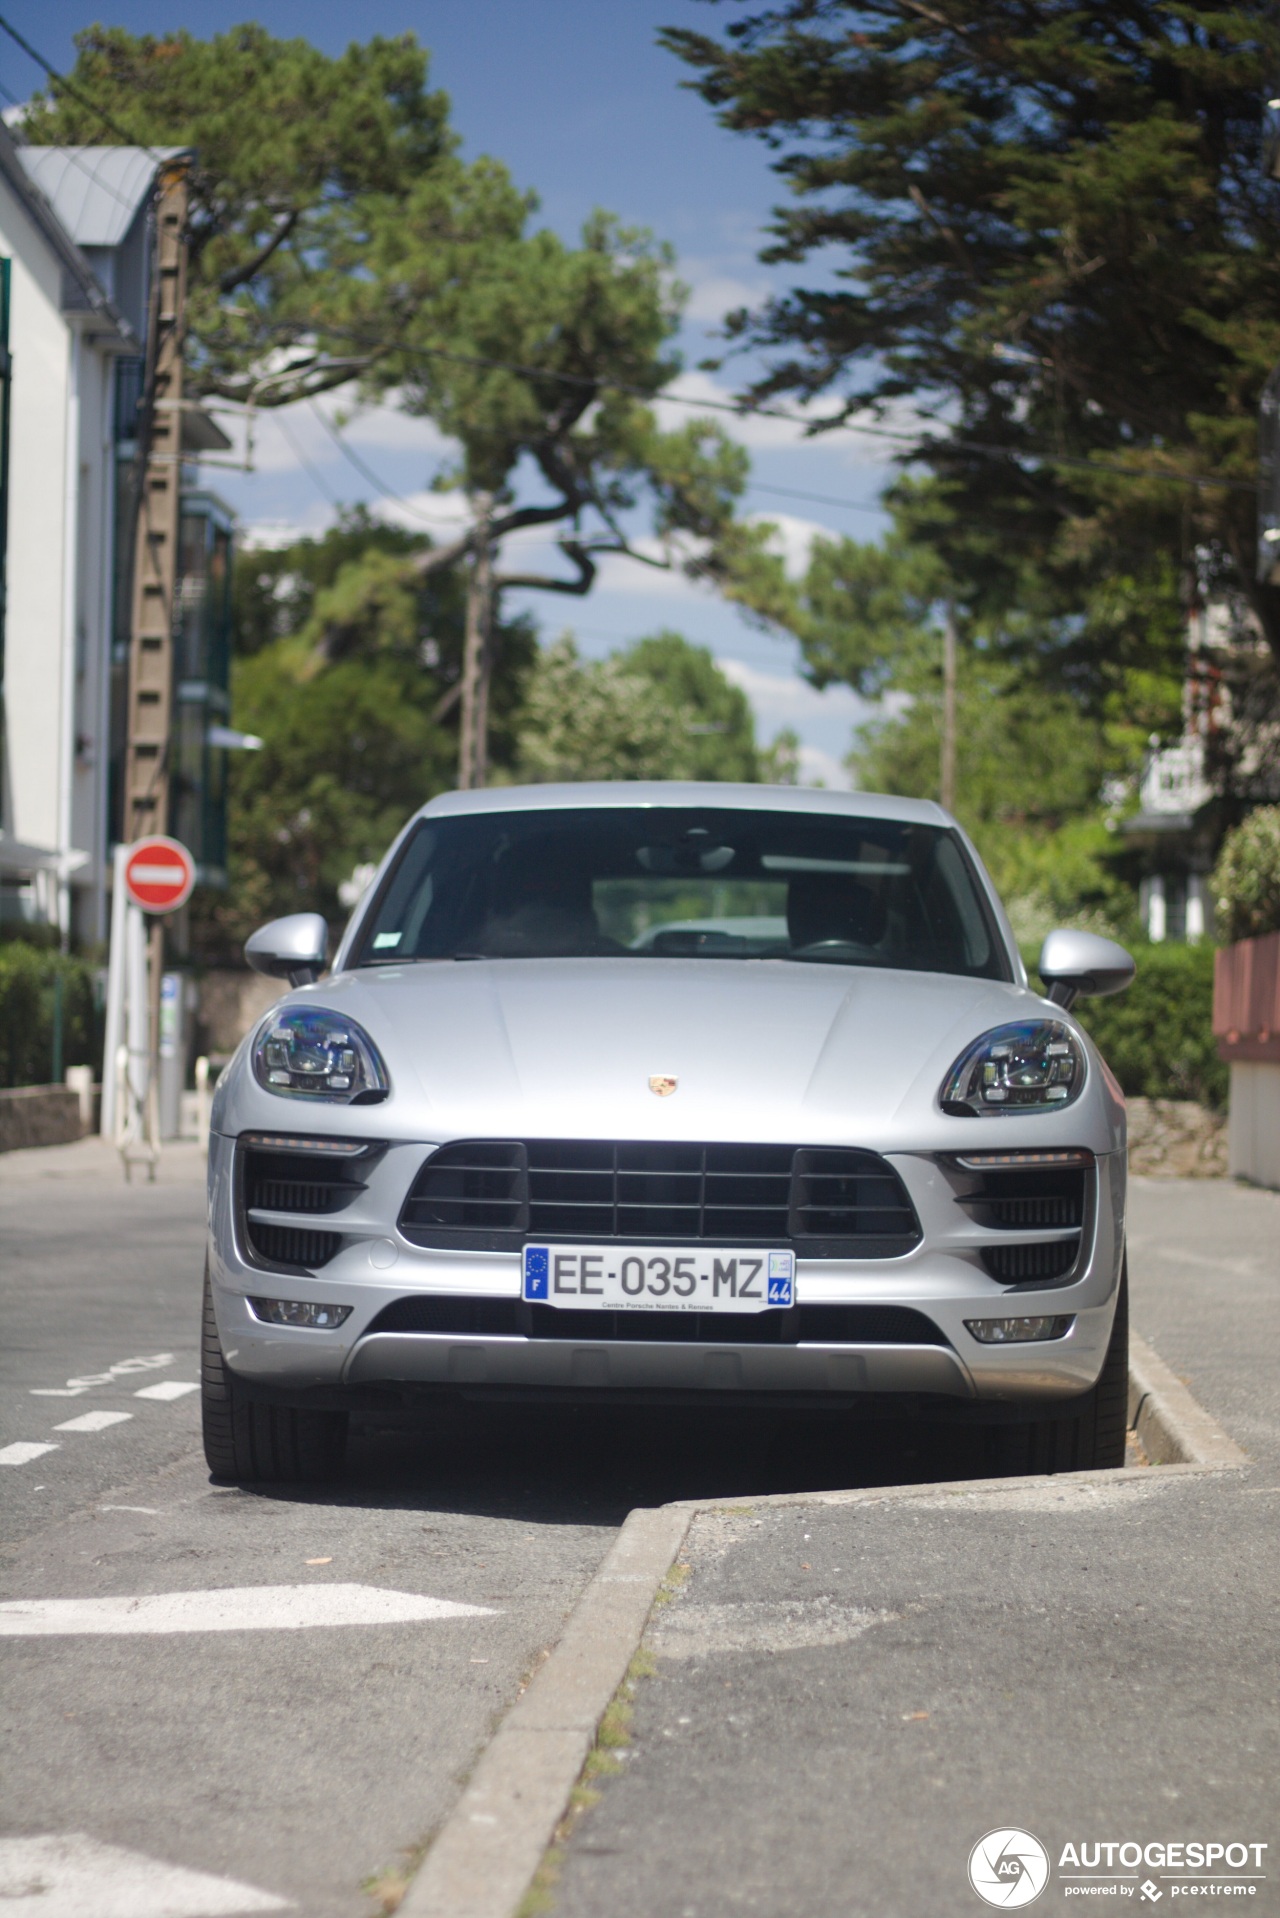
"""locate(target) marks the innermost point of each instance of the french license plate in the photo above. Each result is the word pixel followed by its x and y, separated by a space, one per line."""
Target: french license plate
pixel 639 1278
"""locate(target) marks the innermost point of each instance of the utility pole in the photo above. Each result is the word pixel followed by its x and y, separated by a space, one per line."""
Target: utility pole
pixel 155 551
pixel 473 742
pixel 947 782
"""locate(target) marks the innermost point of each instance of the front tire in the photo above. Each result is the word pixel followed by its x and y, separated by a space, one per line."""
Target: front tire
pixel 1091 1435
pixel 248 1443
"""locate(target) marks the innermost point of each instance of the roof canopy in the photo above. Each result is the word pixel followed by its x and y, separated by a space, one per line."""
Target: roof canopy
pixel 96 191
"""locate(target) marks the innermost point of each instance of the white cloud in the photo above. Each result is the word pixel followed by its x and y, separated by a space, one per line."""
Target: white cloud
pixel 712 295
pixel 440 514
pixel 874 444
pixel 794 538
pixel 784 699
pixel 820 769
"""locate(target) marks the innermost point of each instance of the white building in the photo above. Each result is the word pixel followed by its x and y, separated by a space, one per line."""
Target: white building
pixel 64 334
pixel 75 240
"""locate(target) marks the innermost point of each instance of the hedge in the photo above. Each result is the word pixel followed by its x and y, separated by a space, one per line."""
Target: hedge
pixel 27 989
pixel 1158 1036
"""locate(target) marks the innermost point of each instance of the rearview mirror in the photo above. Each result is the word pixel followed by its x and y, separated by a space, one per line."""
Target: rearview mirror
pixel 293 948
pixel 1077 965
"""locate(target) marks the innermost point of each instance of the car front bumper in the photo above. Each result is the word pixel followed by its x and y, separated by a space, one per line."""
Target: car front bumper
pixel 943 1278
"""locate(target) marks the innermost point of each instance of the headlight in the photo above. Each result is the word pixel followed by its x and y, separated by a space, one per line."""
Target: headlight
pixel 319 1055
pixel 1037 1067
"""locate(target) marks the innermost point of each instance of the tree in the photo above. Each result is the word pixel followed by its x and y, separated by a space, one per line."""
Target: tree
pixel 301 161
pixel 345 665
pixel 337 237
pixel 659 709
pixel 1056 239
pixel 552 357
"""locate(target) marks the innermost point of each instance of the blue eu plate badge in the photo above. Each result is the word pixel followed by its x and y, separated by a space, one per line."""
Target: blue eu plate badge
pixel 537 1271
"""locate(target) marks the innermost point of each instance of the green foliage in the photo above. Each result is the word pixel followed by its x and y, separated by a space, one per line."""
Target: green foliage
pixel 1158 1036
pixel 719 729
pixel 1246 879
pixel 27 976
pixel 345 657
pixel 1029 767
pixel 303 163
pixel 639 714
pixel 1052 229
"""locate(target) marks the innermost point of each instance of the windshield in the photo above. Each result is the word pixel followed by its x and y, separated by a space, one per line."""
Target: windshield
pixel 683 882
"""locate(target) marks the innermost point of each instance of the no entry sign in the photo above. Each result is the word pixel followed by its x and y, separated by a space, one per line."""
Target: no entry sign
pixel 159 874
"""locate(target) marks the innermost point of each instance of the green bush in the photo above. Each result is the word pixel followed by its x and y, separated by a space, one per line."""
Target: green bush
pixel 27 989
pixel 1158 1036
pixel 1246 879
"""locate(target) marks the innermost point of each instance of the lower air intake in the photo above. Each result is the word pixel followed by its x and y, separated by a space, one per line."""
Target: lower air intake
pixel 1019 1264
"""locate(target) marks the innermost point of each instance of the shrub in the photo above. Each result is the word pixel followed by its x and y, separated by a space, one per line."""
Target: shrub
pixel 1246 879
pixel 1158 1036
pixel 27 989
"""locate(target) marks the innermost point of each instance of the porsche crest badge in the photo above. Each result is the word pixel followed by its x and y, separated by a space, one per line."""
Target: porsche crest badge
pixel 662 1084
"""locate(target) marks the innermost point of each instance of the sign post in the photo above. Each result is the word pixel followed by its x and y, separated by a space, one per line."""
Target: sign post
pixel 153 876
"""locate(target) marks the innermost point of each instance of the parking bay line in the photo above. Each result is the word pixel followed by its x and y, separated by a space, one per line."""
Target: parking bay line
pixel 66 1875
pixel 238 1609
pixel 93 1421
pixel 22 1451
pixel 168 1389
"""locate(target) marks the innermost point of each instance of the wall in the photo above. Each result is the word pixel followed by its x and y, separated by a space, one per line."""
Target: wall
pixel 1254 1130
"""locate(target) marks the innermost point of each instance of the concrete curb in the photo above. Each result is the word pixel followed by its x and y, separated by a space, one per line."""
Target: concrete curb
pixel 1172 1427
pixel 488 1849
pixel 492 1843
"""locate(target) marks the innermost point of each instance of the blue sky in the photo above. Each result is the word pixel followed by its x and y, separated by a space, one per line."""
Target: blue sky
pixel 583 106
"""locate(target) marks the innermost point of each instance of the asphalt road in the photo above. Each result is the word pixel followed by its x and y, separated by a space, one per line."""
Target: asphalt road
pixel 289 1765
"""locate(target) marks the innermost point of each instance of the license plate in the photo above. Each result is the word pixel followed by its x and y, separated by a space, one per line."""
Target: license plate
pixel 638 1278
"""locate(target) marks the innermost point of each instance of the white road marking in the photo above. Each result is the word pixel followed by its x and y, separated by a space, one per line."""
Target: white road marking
pixel 71 1876
pixel 246 1608
pixel 168 1389
pixel 148 1511
pixel 22 1451
pixel 76 1388
pixel 93 1421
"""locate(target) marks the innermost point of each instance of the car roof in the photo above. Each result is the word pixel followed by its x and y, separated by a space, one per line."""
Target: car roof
pixel 679 792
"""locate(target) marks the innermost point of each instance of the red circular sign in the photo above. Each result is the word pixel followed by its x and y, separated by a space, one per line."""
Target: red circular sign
pixel 159 874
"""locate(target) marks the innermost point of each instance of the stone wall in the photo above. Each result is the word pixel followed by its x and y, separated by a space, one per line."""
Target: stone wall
pixel 230 1003
pixel 39 1115
pixel 1176 1139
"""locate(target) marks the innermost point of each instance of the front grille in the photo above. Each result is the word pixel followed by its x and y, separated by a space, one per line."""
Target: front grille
pixel 1016 1264
pixel 314 1179
pixel 832 1202
pixel 816 1324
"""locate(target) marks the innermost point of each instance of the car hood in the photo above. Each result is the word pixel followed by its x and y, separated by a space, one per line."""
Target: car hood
pixel 758 1049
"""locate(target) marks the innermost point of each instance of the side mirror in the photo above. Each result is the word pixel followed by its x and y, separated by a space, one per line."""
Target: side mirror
pixel 292 948
pixel 1076 964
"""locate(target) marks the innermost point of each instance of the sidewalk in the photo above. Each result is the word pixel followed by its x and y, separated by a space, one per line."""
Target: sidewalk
pixel 846 1698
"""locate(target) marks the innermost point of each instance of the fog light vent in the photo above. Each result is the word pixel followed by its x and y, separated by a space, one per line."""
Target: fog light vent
pixel 315 1317
pixel 1020 1331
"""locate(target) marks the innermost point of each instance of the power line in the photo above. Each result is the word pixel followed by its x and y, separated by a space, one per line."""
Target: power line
pixel 745 408
pixel 61 80
pixel 819 499
pixel 321 484
pixel 366 472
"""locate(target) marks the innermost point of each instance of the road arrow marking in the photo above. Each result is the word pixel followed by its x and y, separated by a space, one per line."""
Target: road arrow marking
pixel 249 1608
pixel 69 1876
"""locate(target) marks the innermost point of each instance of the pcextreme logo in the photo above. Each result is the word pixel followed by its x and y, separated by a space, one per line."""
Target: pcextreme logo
pixel 1008 1868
